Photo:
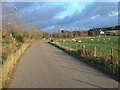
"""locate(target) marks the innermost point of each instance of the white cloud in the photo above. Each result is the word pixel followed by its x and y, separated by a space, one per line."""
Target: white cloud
pixel 113 14
pixel 75 4
pixel 93 17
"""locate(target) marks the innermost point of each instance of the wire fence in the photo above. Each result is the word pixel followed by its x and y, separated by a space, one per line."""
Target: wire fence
pixel 93 51
pixel 104 59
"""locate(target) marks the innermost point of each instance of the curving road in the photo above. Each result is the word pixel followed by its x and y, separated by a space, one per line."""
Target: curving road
pixel 45 66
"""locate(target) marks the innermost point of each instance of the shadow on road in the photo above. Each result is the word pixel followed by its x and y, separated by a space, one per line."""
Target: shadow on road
pixel 88 83
pixel 86 72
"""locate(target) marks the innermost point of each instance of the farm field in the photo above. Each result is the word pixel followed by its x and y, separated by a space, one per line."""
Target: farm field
pixel 103 44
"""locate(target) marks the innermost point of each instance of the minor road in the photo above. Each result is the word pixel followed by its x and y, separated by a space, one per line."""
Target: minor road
pixel 45 66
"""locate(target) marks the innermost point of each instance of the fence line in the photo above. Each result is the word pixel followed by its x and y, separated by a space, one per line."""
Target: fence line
pixel 110 65
pixel 85 52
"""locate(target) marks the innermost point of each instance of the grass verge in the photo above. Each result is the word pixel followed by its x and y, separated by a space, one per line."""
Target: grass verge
pixel 10 64
pixel 97 63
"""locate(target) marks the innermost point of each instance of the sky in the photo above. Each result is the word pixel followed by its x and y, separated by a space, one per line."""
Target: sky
pixel 48 16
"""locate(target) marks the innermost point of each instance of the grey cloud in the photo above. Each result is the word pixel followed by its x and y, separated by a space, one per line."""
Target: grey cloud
pixel 83 18
pixel 45 16
pixel 44 13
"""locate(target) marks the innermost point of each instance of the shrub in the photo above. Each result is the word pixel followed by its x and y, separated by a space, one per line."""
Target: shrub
pixel 19 38
pixel 4 56
pixel 51 40
pixel 13 34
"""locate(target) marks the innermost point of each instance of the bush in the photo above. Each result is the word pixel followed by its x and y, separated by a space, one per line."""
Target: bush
pixel 4 56
pixel 19 38
pixel 51 40
pixel 13 34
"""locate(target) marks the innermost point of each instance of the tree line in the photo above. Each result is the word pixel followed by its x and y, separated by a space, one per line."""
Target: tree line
pixel 77 34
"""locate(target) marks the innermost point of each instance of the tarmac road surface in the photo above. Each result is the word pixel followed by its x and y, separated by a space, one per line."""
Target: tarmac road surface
pixel 45 66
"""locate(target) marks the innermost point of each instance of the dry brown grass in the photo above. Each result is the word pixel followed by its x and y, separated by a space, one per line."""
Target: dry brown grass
pixel 11 63
pixel 10 49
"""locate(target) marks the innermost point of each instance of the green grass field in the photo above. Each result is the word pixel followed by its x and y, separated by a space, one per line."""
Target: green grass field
pixel 103 44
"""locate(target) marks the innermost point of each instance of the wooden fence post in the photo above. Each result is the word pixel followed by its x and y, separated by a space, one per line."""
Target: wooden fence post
pixel 70 46
pixel 95 54
pixel 83 50
pixel 67 45
pixel 112 56
pixel 76 46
